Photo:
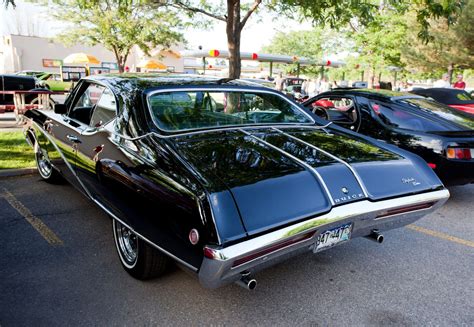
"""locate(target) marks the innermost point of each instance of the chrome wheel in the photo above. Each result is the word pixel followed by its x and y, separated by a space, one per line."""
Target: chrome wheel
pixel 127 244
pixel 44 165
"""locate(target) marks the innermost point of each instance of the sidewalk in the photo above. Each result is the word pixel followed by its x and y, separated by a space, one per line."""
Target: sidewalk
pixel 8 123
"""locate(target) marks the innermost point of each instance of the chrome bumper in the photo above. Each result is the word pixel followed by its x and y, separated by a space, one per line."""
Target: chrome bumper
pixel 219 268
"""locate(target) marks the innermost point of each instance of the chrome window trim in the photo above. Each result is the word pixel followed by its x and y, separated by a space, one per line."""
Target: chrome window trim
pixel 201 89
pixel 300 162
pixel 354 172
pixel 229 128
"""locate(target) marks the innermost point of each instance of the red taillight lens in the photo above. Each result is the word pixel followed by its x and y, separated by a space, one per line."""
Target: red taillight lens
pixel 398 211
pixel 432 165
pixel 459 153
pixel 273 248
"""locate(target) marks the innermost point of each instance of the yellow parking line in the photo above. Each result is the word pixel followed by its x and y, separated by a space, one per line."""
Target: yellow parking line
pixel 37 223
pixel 441 235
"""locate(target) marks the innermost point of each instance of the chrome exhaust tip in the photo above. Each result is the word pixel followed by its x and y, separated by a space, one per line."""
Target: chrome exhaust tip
pixel 247 282
pixel 376 236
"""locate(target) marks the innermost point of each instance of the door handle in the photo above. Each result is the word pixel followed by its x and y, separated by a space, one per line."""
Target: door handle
pixel 73 139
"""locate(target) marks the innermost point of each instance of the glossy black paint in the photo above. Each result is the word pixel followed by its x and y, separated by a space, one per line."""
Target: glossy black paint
pixel 225 183
pixel 431 146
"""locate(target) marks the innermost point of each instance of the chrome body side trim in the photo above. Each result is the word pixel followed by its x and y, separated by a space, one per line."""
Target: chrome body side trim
pixel 356 175
pixel 220 270
pixel 184 263
pixel 300 162
pixel 108 211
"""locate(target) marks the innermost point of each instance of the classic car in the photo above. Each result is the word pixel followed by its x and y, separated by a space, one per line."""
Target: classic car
pixel 439 134
pixel 54 82
pixel 455 98
pixel 187 178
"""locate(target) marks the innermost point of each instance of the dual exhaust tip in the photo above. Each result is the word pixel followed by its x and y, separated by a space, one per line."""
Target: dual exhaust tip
pixel 375 236
pixel 249 283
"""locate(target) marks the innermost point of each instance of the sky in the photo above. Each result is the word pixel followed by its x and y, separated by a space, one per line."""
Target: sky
pixel 31 19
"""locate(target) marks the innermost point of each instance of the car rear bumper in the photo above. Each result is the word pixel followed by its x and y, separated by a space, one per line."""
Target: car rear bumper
pixel 224 265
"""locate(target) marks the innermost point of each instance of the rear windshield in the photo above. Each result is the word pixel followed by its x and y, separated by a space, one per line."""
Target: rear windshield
pixel 187 110
pixel 440 110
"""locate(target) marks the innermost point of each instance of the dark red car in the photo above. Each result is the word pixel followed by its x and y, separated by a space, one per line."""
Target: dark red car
pixel 455 98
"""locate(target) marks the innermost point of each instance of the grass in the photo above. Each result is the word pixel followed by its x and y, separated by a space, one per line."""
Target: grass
pixel 14 151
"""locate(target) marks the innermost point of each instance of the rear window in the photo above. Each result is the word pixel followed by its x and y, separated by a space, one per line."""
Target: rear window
pixel 398 118
pixel 187 110
pixel 440 110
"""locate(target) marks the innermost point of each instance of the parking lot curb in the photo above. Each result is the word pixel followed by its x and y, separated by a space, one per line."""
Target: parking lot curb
pixel 17 172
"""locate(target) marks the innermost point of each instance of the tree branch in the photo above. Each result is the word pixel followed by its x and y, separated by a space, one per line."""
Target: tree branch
pixel 249 13
pixel 181 5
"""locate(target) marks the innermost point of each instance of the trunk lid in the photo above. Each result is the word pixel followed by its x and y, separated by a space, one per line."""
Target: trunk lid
pixel 277 177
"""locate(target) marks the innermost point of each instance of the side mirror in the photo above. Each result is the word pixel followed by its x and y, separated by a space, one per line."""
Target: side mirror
pixel 60 108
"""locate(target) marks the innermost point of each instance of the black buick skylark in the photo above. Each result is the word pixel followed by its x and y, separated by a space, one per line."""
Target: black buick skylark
pixel 223 177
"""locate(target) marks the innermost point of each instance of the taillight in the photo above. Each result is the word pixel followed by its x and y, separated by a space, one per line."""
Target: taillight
pixel 459 153
pixel 273 248
pixel 432 165
pixel 401 210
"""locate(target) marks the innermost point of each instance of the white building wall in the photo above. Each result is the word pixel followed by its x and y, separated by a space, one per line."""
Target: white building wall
pixel 27 53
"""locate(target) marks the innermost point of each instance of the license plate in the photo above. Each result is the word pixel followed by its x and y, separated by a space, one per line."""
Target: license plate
pixel 333 237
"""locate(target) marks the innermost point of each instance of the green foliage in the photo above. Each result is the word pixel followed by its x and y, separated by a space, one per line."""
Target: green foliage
pixel 14 151
pixel 451 46
pixel 118 25
pixel 314 44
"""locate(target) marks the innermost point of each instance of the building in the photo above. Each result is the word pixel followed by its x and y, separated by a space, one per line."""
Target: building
pixel 19 52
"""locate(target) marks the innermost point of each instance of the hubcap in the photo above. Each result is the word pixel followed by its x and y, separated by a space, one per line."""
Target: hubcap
pixel 127 242
pixel 44 166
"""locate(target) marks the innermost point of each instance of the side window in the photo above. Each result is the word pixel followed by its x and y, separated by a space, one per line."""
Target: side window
pixel 105 109
pixel 396 117
pixel 84 105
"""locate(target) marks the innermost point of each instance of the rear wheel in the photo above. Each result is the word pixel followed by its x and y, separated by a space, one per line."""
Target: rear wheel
pixel 138 258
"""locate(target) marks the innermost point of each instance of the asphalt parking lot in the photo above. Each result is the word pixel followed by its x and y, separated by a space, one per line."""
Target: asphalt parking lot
pixel 58 266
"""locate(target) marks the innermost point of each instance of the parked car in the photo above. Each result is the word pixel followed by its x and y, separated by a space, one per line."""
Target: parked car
pixel 455 98
pixel 16 83
pixel 32 73
pixel 439 134
pixel 54 82
pixel 187 178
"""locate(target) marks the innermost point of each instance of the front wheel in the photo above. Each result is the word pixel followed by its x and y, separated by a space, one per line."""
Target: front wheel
pixel 45 168
pixel 138 258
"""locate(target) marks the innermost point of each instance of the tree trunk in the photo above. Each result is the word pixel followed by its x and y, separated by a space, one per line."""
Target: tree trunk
pixel 233 30
pixel 450 72
pixel 371 78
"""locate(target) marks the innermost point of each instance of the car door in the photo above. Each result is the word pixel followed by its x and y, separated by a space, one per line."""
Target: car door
pixel 95 144
pixel 341 110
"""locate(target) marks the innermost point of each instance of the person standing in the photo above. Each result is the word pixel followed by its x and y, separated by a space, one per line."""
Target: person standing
pixel 279 81
pixel 443 82
pixel 460 84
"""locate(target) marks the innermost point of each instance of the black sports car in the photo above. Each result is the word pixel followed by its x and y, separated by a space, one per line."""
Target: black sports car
pixel 189 172
pixel 439 134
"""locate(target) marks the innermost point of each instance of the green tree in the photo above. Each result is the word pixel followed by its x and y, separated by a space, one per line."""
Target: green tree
pixel 314 44
pixel 118 25
pixel 335 13
pixel 380 43
pixel 451 47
